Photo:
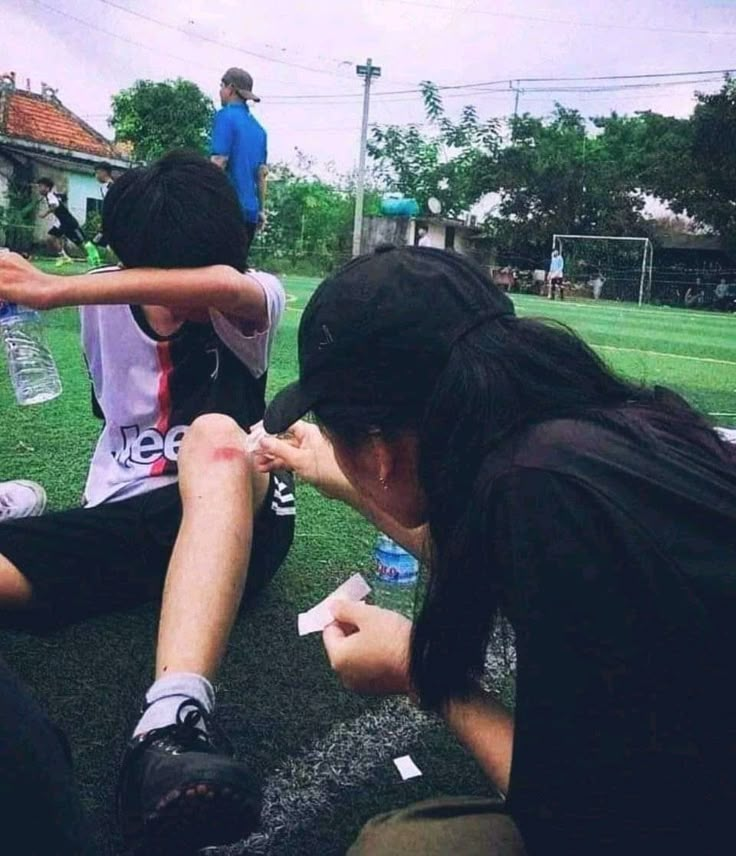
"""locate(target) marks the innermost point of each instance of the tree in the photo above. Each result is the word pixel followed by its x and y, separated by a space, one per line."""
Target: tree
pixel 694 165
pixel 557 176
pixel 549 175
pixel 689 163
pixel 448 164
pixel 310 220
pixel 159 116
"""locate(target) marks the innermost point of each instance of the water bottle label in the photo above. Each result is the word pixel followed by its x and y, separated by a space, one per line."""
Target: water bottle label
pixel 393 564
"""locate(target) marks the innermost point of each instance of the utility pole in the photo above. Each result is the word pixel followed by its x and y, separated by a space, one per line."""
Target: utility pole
pixel 367 71
pixel 516 99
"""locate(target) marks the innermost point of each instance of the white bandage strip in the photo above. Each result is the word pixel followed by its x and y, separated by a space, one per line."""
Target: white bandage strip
pixel 407 768
pixel 318 617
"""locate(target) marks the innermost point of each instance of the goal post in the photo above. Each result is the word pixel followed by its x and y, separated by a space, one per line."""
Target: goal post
pixel 625 262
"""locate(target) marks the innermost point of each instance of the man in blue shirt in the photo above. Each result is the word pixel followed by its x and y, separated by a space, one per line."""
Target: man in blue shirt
pixel 239 147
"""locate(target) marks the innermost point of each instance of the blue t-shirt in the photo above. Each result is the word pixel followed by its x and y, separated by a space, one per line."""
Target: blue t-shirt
pixel 238 136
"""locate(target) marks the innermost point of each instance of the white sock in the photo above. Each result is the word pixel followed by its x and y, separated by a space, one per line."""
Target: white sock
pixel 166 695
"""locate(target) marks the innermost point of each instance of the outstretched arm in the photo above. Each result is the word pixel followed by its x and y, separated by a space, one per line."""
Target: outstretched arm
pixel 218 287
pixel 310 456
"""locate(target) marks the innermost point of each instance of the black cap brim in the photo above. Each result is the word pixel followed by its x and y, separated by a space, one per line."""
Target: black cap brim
pixel 286 408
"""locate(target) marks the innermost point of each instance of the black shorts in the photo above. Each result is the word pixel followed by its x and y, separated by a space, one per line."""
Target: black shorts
pixel 73 233
pixel 90 561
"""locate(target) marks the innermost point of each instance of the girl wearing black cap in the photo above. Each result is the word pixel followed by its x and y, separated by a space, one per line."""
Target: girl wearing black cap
pixel 597 516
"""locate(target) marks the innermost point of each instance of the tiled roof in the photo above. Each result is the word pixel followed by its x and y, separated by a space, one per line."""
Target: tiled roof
pixel 33 118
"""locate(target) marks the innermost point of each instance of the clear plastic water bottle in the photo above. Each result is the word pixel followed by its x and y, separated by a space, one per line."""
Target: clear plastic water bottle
pixel 394 565
pixel 32 369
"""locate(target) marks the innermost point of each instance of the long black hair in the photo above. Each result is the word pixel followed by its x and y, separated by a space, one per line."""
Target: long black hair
pixel 501 378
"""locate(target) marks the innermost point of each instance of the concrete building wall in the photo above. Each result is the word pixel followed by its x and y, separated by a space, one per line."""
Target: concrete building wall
pixel 404 231
pixel 82 186
pixel 384 230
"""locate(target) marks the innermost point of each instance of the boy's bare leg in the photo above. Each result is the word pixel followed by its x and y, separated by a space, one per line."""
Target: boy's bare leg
pixel 175 788
pixel 221 494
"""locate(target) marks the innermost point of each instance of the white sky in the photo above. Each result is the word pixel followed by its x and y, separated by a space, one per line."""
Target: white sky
pixel 450 42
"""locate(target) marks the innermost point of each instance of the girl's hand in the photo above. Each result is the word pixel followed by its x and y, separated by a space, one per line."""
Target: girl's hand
pixel 309 455
pixel 368 647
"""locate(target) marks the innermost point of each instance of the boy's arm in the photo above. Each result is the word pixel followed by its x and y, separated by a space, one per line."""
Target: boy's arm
pixel 262 184
pixel 218 287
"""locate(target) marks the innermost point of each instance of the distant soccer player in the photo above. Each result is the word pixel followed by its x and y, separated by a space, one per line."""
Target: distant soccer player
pixel 103 174
pixel 556 268
pixel 597 285
pixel 65 226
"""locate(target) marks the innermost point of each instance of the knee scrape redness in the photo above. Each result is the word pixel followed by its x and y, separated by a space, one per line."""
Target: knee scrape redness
pixel 228 453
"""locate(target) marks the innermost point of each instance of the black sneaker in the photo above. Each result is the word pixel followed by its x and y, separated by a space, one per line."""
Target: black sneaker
pixel 177 793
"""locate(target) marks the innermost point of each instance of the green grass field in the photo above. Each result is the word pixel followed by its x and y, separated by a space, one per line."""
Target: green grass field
pixel 325 755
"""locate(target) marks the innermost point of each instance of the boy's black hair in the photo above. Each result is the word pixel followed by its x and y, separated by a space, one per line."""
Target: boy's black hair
pixel 47 182
pixel 180 211
pixel 104 167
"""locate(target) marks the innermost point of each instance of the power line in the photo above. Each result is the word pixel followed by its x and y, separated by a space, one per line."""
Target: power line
pixel 113 35
pixel 282 99
pixel 390 97
pixel 566 21
pixel 219 43
pixel 155 50
pixel 345 97
pixel 627 76
pixel 225 44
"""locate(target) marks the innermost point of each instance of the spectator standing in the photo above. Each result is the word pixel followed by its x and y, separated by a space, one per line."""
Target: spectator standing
pixel 239 146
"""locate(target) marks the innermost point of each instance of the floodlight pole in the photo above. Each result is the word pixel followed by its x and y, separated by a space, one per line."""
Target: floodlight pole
pixel 367 71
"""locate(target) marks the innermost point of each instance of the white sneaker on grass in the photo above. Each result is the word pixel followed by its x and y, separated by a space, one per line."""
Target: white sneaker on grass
pixel 21 498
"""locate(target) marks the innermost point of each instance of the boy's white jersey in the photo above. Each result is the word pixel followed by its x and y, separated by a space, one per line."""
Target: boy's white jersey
pixel 151 388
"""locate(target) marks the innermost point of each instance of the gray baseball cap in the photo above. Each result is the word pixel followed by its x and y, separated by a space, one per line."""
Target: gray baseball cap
pixel 241 82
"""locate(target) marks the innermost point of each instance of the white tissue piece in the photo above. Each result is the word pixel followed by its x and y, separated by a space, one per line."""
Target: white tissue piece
pixel 728 434
pixel 318 617
pixel 407 768
pixel 253 439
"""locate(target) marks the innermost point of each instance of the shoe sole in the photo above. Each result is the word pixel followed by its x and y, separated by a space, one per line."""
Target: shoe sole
pixel 199 815
pixel 40 495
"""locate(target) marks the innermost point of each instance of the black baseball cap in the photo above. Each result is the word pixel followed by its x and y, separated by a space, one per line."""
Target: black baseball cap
pixel 379 330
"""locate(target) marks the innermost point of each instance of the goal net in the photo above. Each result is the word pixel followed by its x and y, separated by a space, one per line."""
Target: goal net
pixel 607 267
